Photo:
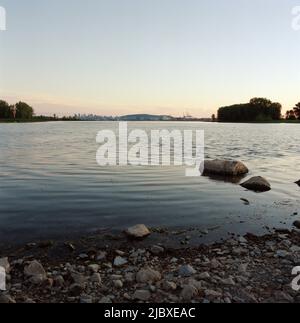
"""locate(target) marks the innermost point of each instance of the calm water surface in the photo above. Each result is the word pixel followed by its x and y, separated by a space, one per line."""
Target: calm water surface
pixel 51 185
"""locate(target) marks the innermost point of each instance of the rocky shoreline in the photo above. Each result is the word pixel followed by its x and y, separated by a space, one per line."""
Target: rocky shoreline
pixel 247 269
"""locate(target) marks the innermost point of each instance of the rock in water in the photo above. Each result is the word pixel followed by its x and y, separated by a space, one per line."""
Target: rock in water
pixel 298 182
pixel 297 224
pixel 224 167
pixel 139 231
pixel 257 184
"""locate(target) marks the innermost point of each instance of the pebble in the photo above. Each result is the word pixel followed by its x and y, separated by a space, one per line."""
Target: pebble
pixel 186 271
pixel 156 250
pixel 148 275
pixel 94 268
pixel 120 261
pixel 142 295
pixel 118 283
pixel 189 292
pixel 96 278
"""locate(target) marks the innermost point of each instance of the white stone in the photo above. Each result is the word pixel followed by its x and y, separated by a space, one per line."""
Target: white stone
pixel 138 231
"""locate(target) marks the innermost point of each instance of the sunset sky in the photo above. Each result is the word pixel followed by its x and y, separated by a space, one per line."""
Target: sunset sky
pixel 114 57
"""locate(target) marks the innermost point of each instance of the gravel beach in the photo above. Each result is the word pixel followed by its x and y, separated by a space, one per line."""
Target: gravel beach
pixel 249 269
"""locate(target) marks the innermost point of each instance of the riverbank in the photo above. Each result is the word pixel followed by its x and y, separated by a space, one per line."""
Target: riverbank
pixel 100 269
pixel 34 120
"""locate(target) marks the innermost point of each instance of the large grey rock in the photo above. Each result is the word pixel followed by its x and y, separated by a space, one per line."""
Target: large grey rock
pixel 257 184
pixel 224 167
pixel 138 231
pixel 148 275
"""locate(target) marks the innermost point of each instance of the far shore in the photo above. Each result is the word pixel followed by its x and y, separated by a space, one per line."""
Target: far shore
pixel 67 120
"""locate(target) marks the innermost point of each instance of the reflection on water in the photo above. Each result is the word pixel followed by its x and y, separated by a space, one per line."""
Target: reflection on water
pixel 51 184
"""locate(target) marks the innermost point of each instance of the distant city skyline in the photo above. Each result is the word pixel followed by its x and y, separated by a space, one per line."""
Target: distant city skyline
pixel 170 57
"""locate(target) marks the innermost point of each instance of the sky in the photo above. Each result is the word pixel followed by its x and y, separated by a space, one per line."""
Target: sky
pixel 116 57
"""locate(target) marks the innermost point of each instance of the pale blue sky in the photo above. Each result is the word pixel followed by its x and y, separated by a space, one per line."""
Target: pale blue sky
pixel 155 56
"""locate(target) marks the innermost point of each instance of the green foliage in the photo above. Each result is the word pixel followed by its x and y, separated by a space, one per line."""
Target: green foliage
pixel 290 115
pixel 24 111
pixel 5 112
pixel 257 110
pixel 297 111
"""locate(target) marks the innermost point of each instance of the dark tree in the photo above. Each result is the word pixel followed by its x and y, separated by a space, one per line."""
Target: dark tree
pixel 24 111
pixel 297 111
pixel 5 112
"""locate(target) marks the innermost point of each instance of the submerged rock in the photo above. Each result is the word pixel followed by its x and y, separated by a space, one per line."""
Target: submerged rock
pixel 297 224
pixel 224 167
pixel 138 231
pixel 257 184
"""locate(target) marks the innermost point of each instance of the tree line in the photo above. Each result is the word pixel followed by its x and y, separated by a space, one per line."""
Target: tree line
pixel 20 110
pixel 258 109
